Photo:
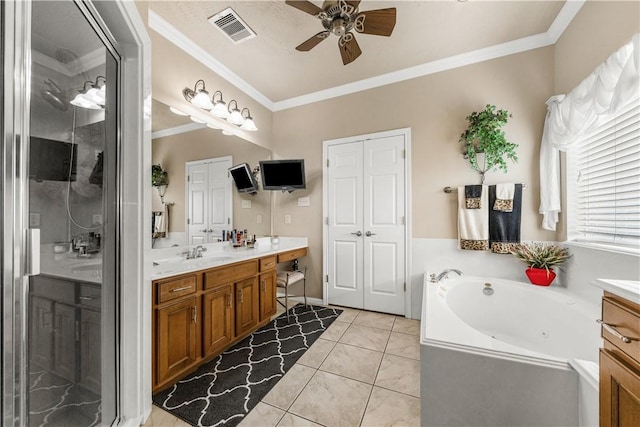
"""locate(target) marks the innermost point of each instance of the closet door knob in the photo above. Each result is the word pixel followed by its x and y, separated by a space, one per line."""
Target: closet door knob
pixel 369 234
pixel 358 233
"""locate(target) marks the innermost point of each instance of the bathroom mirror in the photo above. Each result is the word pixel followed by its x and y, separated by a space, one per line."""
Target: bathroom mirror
pixel 177 140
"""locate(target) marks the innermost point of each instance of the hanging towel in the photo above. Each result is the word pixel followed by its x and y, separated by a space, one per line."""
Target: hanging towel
pixel 161 222
pixel 504 197
pixel 504 227
pixel 472 195
pixel 473 224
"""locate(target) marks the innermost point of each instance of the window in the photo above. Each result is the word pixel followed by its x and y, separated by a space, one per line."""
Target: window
pixel 603 184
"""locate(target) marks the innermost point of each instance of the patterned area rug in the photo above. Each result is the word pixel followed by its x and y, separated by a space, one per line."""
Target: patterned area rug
pixel 223 391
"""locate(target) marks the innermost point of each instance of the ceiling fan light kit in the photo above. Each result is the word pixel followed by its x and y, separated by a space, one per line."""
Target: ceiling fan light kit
pixel 341 18
pixel 199 97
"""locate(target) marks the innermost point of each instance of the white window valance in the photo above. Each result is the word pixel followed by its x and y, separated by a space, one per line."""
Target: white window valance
pixel 612 86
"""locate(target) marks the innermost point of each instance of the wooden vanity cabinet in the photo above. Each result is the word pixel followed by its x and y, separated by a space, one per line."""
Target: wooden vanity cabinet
pixel 267 287
pixel 176 326
pixel 198 315
pixel 620 363
pixel 218 318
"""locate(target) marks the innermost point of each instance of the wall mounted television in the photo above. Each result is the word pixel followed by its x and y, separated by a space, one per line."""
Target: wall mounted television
pixel 51 160
pixel 283 175
pixel 243 178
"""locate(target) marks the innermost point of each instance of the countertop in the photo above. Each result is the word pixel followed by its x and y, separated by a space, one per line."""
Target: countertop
pixel 169 262
pixel 628 289
pixel 68 265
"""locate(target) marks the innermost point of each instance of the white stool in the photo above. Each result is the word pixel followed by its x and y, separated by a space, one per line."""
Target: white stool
pixel 287 278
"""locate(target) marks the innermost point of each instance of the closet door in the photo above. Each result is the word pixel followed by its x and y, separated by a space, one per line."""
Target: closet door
pixel 197 194
pixel 345 231
pixel 366 224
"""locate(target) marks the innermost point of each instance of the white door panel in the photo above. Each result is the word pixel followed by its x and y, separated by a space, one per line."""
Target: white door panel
pixel 366 227
pixel 209 199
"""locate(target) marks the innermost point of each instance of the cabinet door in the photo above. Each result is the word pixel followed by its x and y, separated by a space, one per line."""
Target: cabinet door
pixel 41 334
pixel 90 349
pixel 176 338
pixel 217 307
pixel 619 392
pixel 247 309
pixel 65 337
pixel 268 302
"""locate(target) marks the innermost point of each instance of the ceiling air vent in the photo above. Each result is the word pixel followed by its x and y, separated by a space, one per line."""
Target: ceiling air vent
pixel 232 25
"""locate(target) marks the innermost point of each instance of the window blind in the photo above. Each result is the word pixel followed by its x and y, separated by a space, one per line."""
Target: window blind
pixel 604 182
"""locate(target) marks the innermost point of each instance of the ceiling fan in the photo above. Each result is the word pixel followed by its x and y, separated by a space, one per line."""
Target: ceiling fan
pixel 340 18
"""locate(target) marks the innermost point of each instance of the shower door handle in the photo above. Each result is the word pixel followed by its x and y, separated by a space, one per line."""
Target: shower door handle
pixel 33 252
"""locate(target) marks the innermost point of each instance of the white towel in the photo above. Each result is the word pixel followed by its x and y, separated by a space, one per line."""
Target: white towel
pixel 504 197
pixel 473 224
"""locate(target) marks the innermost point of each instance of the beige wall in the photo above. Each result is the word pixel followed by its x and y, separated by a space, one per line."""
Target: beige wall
pixel 434 107
pixel 172 152
pixel 598 30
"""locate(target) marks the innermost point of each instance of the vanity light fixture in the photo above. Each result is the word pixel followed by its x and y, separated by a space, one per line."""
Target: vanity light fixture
pixel 198 96
pixel 219 106
pixel 235 116
pixel 92 95
pixel 216 106
pixel 248 123
pixel 226 132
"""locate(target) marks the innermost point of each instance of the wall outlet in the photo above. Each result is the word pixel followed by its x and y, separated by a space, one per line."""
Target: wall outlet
pixel 287 218
pixel 97 219
pixel 34 220
pixel 259 219
pixel 304 201
pixel 246 204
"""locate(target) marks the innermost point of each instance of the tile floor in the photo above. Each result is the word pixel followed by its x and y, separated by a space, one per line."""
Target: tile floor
pixel 364 370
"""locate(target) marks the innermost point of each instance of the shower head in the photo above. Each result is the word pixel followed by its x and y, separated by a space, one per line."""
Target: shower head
pixel 55 96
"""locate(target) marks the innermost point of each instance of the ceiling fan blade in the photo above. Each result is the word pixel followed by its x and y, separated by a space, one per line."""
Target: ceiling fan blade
pixel 305 6
pixel 312 42
pixel 349 48
pixel 378 22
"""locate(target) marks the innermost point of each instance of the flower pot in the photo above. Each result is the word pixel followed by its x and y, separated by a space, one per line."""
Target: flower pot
pixel 540 276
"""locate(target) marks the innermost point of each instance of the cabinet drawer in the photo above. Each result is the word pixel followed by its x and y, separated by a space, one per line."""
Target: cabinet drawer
pixel 626 322
pixel 288 256
pixel 90 296
pixel 176 288
pixel 233 273
pixel 54 289
pixel 268 263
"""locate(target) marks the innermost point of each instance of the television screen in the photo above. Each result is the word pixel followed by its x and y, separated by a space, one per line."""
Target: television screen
pixel 285 175
pixel 51 160
pixel 242 176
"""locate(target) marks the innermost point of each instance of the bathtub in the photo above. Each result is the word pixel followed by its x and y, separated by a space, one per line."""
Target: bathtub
pixel 500 352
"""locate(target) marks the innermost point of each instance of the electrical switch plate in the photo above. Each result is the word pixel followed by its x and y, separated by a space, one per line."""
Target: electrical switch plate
pixel 287 218
pixel 34 220
pixel 246 204
pixel 303 201
pixel 259 219
pixel 97 219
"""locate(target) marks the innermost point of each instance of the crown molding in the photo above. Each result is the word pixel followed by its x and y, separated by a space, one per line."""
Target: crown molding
pixel 550 37
pixel 177 130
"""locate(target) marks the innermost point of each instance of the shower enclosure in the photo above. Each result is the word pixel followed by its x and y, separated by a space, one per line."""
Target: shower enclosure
pixel 60 215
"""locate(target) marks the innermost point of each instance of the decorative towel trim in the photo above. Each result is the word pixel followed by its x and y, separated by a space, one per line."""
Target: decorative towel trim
pixel 473 203
pixel 503 205
pixel 473 195
pixel 474 245
pixel 503 247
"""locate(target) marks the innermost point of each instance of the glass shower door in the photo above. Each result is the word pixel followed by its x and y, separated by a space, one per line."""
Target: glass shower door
pixel 66 326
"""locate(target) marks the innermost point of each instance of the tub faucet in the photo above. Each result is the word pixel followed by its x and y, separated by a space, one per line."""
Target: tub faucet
pixel 435 279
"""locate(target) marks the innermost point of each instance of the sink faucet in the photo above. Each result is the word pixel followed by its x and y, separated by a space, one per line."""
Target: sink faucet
pixel 197 251
pixel 435 279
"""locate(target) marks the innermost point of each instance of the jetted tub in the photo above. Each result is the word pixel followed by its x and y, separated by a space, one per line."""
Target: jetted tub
pixel 500 352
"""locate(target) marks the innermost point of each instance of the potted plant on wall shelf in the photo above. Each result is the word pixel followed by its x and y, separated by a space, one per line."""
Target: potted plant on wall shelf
pixel 158 176
pixel 541 258
pixel 485 135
